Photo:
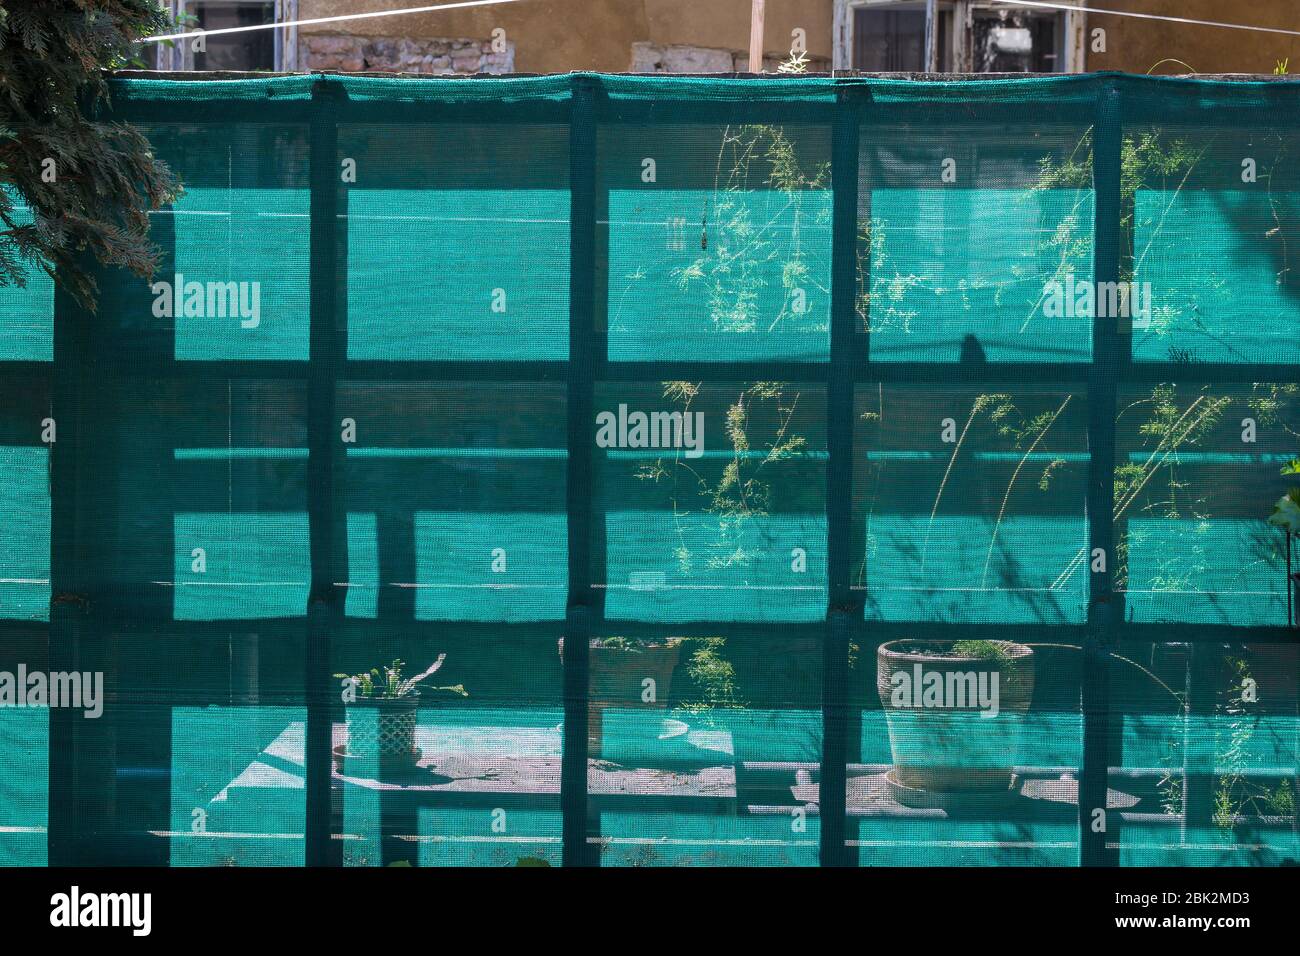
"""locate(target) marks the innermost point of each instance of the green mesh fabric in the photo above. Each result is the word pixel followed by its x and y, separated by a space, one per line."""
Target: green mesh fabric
pixel 665 408
pixel 457 201
pixel 27 311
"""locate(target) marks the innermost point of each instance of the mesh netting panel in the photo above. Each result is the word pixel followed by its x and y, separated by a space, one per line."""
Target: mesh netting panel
pixel 233 281
pixel 730 527
pixel 1204 743
pixel 27 310
pixel 417 221
pixel 455 501
pixel 972 505
pixel 24 755
pixel 1191 459
pixel 931 783
pixel 641 471
pixel 223 533
pixel 25 497
pixel 718 236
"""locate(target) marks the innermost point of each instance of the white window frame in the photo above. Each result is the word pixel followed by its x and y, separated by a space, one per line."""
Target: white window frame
pixel 1073 30
pixel 180 55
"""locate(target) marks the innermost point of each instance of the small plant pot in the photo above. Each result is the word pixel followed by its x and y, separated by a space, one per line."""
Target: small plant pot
pixel 383 727
pixel 616 677
pixel 957 731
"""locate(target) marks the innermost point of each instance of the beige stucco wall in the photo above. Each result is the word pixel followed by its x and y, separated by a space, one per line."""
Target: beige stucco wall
pixel 555 36
pixel 725 23
pixel 549 35
pixel 1137 45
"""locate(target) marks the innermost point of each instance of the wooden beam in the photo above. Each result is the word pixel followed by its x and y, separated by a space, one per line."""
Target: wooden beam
pixel 756 36
pixel 1076 31
pixel 961 45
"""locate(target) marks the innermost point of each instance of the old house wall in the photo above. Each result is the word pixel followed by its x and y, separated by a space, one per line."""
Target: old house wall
pixel 556 36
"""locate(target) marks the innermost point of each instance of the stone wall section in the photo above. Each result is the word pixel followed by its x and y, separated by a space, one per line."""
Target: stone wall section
pixel 353 54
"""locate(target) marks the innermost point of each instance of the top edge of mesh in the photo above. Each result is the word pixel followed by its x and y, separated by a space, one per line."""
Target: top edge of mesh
pixel 163 86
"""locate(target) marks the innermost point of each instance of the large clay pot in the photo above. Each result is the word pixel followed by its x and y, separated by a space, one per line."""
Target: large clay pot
pixel 615 679
pixel 953 741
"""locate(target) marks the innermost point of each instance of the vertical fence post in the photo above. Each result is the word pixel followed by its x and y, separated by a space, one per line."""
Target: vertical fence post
pixel 323 612
pixel 579 484
pixel 1105 607
pixel 1203 661
pixel 757 15
pixel 67 820
pixel 82 779
pixel 843 611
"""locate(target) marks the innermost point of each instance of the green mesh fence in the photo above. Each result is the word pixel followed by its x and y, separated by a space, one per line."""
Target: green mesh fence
pixel 800 471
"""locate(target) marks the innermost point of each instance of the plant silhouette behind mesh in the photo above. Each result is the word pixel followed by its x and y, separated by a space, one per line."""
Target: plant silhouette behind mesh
pixel 742 240
pixel 741 491
pixel 1153 483
pixel 736 493
pixel 1025 431
pixel 387 683
pixel 1236 794
pixel 749 238
pixel 739 255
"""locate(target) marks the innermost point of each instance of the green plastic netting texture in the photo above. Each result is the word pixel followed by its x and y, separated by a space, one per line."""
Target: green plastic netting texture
pixel 692 420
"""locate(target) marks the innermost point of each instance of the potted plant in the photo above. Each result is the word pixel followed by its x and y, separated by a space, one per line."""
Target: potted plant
pixel 1286 515
pixel 618 670
pixel 1244 803
pixel 381 713
pixel 955 711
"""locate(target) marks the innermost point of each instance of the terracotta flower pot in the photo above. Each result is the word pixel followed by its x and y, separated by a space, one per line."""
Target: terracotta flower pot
pixel 955 721
pixel 615 676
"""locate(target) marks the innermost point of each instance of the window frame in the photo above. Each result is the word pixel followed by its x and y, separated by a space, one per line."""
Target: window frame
pixel 1070 31
pixel 180 55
